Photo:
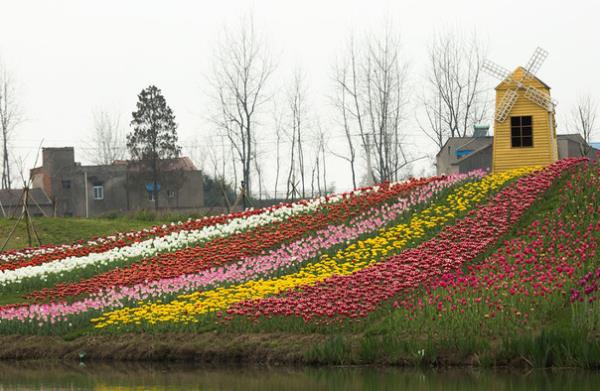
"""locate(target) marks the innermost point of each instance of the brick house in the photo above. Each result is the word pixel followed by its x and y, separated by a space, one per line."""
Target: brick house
pixel 86 191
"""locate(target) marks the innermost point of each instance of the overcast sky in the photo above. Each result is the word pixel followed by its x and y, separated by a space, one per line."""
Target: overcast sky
pixel 71 57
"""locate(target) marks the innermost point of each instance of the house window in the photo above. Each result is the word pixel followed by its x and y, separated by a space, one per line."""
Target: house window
pixel 66 184
pixel 170 194
pixel 98 192
pixel 521 131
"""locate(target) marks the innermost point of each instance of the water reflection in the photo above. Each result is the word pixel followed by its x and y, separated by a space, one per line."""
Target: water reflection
pixel 97 376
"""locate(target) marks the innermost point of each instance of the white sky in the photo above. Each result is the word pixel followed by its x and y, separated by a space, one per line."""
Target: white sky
pixel 71 57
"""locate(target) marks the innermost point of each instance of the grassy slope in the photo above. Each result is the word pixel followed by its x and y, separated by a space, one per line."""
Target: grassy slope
pixel 382 341
pixel 56 230
pixel 555 336
pixel 559 334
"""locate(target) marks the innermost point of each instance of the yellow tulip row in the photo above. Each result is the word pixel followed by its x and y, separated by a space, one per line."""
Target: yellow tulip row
pixel 187 307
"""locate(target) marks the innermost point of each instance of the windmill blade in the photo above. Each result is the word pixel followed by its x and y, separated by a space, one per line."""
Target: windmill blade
pixel 496 70
pixel 508 101
pixel 540 98
pixel 535 62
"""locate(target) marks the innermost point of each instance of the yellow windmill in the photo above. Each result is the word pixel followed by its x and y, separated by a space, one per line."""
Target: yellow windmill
pixel 524 126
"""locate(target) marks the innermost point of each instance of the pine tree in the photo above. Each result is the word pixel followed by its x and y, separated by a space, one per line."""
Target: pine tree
pixel 154 135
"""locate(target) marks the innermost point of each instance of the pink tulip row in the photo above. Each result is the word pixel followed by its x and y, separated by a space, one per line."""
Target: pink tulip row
pixel 359 294
pixel 288 255
pixel 11 259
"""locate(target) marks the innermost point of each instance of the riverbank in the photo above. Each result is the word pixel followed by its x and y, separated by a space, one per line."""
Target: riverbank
pixel 543 350
pixel 203 347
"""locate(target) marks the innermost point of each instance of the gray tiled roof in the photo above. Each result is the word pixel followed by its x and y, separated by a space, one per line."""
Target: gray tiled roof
pixel 10 198
pixel 470 143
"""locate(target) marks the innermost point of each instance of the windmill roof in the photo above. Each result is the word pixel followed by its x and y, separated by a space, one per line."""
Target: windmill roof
pixel 521 69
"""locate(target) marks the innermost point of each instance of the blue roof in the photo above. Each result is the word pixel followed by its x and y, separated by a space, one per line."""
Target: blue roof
pixel 462 152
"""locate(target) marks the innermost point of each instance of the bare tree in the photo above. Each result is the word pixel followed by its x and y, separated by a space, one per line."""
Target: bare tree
pixel 198 152
pixel 583 118
pixel 278 124
pixel 386 99
pixel 296 129
pixel 454 99
pixel 241 71
pixel 319 171
pixel 108 140
pixel 258 167
pixel 10 117
pixel 371 100
pixel 219 167
pixel 341 102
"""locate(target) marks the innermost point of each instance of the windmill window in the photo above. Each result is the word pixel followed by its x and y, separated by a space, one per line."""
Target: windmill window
pixel 66 184
pixel 521 131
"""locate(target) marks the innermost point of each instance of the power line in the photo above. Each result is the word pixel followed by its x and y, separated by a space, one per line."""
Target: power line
pixel 225 144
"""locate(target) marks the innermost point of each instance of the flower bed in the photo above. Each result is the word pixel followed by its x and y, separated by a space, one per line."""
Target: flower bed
pixel 243 239
pixel 351 259
pixel 273 261
pixel 547 264
pixel 359 294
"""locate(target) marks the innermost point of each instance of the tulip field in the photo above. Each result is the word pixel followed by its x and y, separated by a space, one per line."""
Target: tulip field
pixel 486 267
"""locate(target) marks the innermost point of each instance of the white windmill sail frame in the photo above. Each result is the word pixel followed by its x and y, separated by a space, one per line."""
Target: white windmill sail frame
pixel 533 94
pixel 504 108
pixel 540 98
pixel 496 70
pixel 535 62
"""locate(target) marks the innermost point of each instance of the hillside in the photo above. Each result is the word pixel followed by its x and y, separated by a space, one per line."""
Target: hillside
pixel 59 230
pixel 476 269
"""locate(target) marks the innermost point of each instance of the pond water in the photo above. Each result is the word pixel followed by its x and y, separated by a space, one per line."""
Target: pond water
pixel 62 376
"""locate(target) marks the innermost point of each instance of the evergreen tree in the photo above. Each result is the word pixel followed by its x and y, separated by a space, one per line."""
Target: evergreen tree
pixel 154 134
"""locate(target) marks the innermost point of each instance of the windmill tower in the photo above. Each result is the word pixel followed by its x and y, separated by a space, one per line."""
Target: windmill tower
pixel 524 125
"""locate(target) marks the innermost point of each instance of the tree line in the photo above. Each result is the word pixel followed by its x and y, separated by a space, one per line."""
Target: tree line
pixel 373 108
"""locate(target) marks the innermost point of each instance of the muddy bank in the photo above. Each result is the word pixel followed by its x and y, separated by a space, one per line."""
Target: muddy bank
pixel 219 348
pixel 278 349
pixel 206 347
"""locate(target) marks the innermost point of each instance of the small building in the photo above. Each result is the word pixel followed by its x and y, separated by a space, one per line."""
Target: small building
pixel 81 190
pixel 596 148
pixel 464 154
pixel 11 203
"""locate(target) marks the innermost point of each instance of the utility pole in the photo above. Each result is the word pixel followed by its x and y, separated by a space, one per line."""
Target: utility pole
pixel 243 190
pixel 370 175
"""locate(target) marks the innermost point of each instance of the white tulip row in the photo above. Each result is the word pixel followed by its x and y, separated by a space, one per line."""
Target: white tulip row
pixel 27 253
pixel 13 256
pixel 168 243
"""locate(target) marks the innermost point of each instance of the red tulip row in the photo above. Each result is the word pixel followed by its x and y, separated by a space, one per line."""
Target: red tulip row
pixel 359 294
pixel 232 248
pixel 549 259
pixel 39 255
pixel 101 244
